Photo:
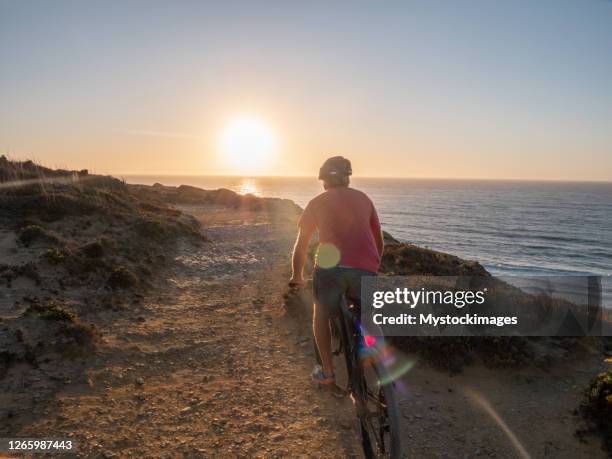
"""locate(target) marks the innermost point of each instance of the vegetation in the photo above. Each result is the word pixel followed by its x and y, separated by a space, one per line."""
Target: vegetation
pixel 50 310
pixel 597 405
pixel 91 240
pixel 402 259
pixel 122 278
pixel 36 233
pixel 54 256
pixel 28 271
pixel 94 249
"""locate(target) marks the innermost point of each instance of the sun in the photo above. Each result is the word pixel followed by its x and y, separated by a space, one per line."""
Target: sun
pixel 247 144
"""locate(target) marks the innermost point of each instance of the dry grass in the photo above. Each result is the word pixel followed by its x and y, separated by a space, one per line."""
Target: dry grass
pixel 90 240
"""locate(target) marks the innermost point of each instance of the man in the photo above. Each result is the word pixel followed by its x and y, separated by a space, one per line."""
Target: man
pixel 350 247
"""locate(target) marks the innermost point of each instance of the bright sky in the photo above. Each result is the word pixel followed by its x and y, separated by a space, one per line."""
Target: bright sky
pixel 470 89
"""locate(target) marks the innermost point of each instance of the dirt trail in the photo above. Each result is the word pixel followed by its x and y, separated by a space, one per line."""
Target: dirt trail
pixel 210 366
pixel 502 413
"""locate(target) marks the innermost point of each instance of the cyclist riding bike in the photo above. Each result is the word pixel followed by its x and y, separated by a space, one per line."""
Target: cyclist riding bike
pixel 350 247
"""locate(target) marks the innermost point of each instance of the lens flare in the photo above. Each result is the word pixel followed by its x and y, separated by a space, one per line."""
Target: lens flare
pixel 397 371
pixel 487 408
pixel 328 255
pixel 391 363
pixel 401 390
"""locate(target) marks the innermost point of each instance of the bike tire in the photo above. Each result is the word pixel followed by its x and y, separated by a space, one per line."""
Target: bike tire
pixel 355 374
pixel 387 394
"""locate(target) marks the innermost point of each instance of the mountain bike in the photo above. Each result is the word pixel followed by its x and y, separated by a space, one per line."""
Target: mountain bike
pixel 361 374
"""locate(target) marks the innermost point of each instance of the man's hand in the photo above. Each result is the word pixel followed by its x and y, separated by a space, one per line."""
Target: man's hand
pixel 299 258
pixel 297 282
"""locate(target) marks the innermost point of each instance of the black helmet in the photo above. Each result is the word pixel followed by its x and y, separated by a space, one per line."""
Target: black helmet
pixel 336 167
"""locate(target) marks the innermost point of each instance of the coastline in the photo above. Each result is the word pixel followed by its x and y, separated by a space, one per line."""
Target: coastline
pixel 510 228
pixel 116 298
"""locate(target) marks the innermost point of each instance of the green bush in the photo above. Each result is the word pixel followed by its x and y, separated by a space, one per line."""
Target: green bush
pixel 597 405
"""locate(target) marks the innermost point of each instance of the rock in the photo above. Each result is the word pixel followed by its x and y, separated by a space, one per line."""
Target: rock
pixel 186 410
pixel 322 422
pixel 139 381
pixel 345 425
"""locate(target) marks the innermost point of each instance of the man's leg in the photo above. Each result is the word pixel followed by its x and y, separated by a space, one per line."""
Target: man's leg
pixel 322 334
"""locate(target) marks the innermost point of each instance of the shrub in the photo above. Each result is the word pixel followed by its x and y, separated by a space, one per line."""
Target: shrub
pixel 27 270
pixel 6 359
pixel 35 233
pixel 50 310
pixel 151 229
pixel 121 277
pixel 597 405
pixel 504 351
pixel 76 339
pixel 93 249
pixel 448 352
pixel 54 256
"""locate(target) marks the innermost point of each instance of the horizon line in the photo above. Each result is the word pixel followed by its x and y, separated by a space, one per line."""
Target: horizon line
pixel 381 177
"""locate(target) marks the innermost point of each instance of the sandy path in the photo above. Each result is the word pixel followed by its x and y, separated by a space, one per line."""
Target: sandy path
pixel 502 413
pixel 210 366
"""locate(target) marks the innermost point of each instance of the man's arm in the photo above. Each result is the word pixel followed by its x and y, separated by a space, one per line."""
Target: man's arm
pixel 300 251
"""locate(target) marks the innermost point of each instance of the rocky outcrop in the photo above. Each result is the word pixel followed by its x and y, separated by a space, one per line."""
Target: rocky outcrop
pixel 408 259
pixel 190 195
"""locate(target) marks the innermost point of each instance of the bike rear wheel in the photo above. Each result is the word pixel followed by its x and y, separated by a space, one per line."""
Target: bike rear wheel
pixel 377 411
pixel 371 387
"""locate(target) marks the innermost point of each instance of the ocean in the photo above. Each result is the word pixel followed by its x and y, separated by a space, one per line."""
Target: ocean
pixel 513 228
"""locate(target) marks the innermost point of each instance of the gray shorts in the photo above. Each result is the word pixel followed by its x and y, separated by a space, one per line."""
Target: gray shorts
pixel 331 286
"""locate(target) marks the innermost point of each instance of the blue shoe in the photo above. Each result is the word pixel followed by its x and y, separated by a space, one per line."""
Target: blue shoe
pixel 319 377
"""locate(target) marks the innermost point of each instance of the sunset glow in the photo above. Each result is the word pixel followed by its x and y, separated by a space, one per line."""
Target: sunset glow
pixel 247 144
pixel 452 92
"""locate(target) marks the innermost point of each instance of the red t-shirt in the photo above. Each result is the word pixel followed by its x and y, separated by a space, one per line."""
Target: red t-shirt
pixel 346 220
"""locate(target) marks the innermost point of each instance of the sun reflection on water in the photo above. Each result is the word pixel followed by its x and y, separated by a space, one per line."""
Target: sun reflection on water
pixel 248 186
